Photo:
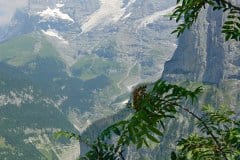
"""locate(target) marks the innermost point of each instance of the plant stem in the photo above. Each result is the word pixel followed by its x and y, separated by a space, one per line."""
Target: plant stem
pixel 230 5
pixel 208 130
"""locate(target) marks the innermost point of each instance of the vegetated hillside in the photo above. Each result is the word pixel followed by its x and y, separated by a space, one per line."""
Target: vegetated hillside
pixel 67 64
pixel 28 120
pixel 111 40
pixel 202 58
pixel 37 98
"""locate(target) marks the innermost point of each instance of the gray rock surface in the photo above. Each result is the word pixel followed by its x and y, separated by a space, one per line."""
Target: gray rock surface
pixel 202 54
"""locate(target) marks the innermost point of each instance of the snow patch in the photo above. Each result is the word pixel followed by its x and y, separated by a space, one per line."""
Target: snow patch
pixel 54 33
pixel 59 5
pixel 126 16
pixel 55 14
pixel 154 17
pixel 110 11
pixel 130 3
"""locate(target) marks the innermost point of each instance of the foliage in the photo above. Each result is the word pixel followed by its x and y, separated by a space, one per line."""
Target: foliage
pixel 219 138
pixel 218 135
pixel 188 11
pixel 152 108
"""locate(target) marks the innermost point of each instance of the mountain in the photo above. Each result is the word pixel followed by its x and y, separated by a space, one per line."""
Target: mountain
pixel 39 97
pixel 65 64
pixel 28 118
pixel 202 58
pixel 215 61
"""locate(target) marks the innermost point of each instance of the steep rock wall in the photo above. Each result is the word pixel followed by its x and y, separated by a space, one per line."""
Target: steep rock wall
pixel 202 54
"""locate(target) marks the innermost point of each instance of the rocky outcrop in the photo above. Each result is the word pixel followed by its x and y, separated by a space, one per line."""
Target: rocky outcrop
pixel 21 23
pixel 203 55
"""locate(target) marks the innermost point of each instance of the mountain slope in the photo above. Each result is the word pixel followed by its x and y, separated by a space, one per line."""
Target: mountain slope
pixel 74 62
pixel 25 48
pixel 202 58
pixel 26 118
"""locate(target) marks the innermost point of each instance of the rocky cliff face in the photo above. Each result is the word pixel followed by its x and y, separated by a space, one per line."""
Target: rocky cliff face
pixel 202 58
pixel 202 54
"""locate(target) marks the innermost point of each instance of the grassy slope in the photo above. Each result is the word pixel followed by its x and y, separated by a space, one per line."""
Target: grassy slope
pixel 25 48
pixel 92 66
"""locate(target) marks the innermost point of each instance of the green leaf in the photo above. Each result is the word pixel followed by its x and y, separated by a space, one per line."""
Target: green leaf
pixel 227 37
pixel 155 130
pixel 152 138
pixel 116 131
pixel 229 22
pixel 173 156
pixel 139 144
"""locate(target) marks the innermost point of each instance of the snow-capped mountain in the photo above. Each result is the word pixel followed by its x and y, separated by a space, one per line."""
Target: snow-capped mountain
pixel 77 21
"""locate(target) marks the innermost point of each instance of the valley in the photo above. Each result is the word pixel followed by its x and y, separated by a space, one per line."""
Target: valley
pixel 66 64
